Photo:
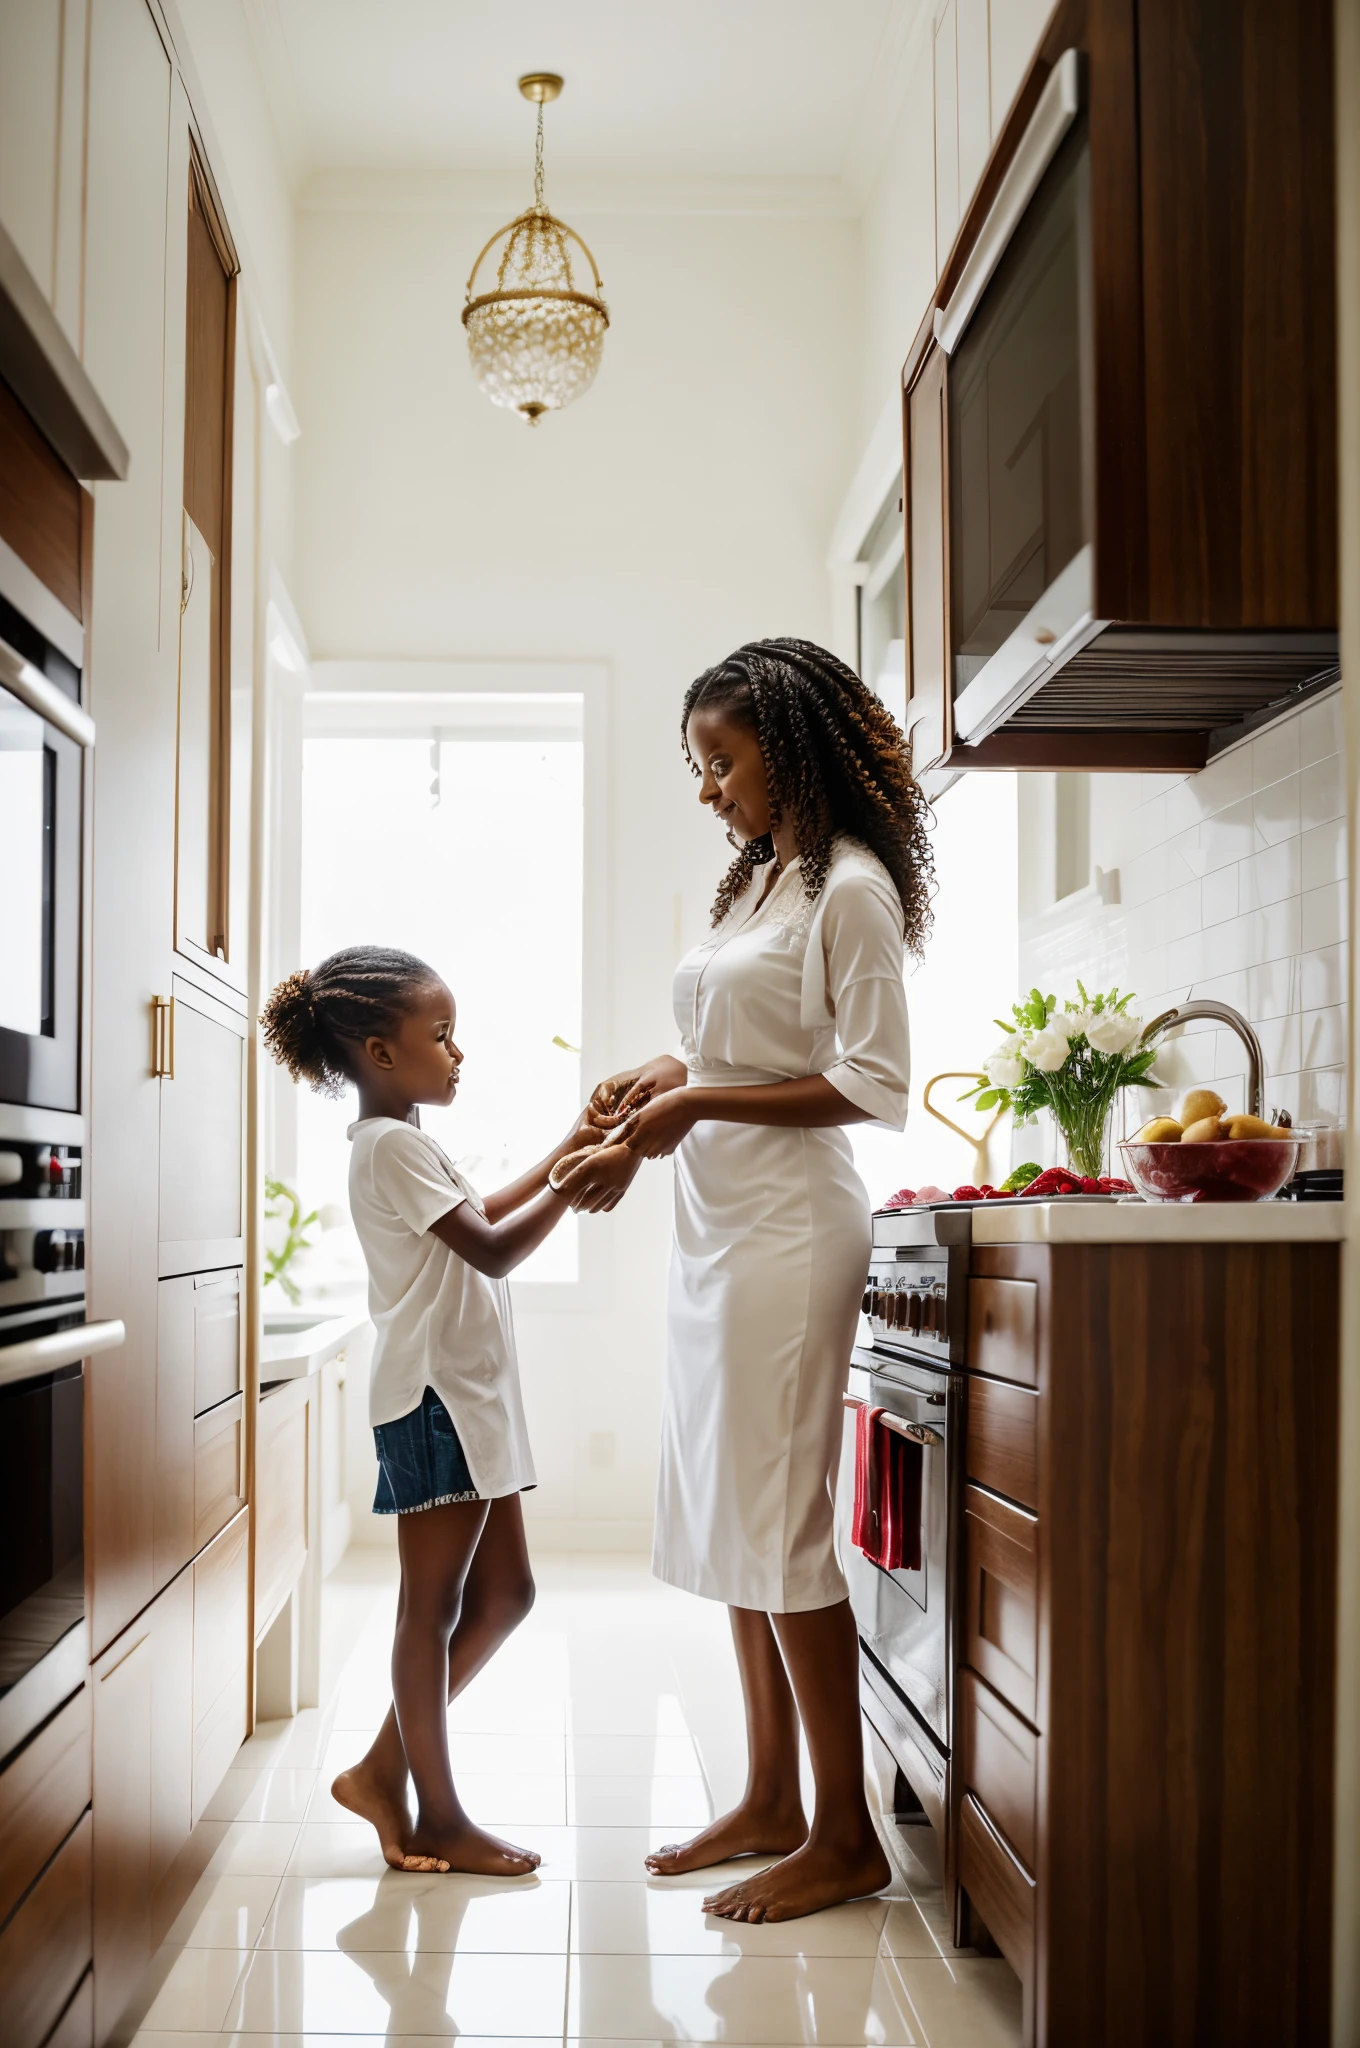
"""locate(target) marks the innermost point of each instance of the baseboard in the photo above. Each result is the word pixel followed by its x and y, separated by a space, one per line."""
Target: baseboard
pixel 550 1533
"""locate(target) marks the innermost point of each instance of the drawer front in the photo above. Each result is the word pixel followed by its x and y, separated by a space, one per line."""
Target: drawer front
pixel 1002 1439
pixel 1002 1329
pixel 999 1762
pixel 281 1503
pixel 216 1740
pixel 218 1465
pixel 999 1887
pixel 42 1796
pixel 217 1338
pixel 75 2028
pixel 1000 1628
pixel 45 1949
pixel 220 1619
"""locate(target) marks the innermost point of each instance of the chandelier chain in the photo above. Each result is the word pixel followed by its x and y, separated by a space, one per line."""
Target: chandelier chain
pixel 538 160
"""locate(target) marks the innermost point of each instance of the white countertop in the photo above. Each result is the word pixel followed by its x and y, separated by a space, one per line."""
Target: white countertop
pixel 1072 1221
pixel 316 1338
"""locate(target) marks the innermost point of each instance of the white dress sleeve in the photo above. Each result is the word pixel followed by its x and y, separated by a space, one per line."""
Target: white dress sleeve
pixel 861 946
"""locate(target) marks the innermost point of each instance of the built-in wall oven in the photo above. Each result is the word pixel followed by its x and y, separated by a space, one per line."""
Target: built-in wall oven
pixel 45 1333
pixel 911 1371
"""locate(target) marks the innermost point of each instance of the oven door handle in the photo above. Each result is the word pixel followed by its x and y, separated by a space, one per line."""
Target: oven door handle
pixel 914 1432
pixel 32 688
pixel 37 1355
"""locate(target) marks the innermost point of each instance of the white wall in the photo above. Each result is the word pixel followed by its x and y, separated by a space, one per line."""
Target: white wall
pixel 681 507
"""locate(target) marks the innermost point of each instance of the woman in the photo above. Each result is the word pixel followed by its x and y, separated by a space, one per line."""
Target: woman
pixel 793 1020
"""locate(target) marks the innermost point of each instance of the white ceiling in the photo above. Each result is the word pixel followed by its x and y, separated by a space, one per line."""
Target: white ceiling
pixel 714 89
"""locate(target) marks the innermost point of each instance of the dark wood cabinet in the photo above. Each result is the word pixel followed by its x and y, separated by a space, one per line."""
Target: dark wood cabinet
pixel 1142 1795
pixel 45 1947
pixel 1120 420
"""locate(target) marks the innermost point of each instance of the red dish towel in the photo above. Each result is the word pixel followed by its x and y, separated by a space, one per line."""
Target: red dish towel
pixel 888 1471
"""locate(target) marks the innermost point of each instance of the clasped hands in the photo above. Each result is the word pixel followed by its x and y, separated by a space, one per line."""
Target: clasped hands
pixel 641 1114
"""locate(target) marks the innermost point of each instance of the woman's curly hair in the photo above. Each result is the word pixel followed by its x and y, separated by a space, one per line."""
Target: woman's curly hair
pixel 836 761
pixel 316 1018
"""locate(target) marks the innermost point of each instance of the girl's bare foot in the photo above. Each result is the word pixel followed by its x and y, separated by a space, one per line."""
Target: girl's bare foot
pixel 381 1805
pixel 463 1847
pixel 746 1831
pixel 810 1880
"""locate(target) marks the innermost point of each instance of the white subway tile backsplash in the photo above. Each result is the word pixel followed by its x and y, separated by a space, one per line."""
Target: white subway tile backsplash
pixel 1275 752
pixel 1233 887
pixel 1322 978
pixel 1322 791
pixel 1324 915
pixel 1228 835
pixel 1324 854
pixel 1320 730
pixel 1324 1037
pixel 1275 810
pixel 1271 875
pixel 1219 895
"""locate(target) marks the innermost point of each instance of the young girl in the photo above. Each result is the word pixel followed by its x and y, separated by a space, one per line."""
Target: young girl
pixel 444 1396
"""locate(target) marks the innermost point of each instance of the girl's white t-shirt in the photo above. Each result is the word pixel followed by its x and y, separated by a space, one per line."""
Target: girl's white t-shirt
pixel 440 1322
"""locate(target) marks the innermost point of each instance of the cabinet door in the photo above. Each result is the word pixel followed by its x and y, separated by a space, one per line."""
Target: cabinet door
pixel 221 1656
pixel 198 1368
pixel 172 1731
pixel 928 711
pixel 122 1685
pixel 30 98
pixel 173 1506
pixel 281 1503
pixel 120 1441
pixel 202 1133
pixel 45 1948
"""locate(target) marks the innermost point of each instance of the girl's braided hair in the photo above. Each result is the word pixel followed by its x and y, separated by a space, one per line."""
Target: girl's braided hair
pixel 315 1018
pixel 837 762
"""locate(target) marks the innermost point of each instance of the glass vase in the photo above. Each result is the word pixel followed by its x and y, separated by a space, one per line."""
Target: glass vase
pixel 1085 1131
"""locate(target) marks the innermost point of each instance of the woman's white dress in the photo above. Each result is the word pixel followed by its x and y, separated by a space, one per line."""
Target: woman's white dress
pixel 772 1234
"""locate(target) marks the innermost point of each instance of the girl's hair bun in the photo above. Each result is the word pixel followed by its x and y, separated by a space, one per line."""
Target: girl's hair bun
pixel 315 1018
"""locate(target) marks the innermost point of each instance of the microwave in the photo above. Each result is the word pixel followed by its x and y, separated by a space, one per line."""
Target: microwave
pixel 45 733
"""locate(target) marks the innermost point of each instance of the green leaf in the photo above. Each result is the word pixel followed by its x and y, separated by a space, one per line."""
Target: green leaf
pixel 988 1098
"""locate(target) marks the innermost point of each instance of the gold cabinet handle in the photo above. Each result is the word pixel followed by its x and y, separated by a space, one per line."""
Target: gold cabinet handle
pixel 163 1038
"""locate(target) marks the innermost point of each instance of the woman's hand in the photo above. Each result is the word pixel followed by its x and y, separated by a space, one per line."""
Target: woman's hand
pixel 617 1097
pixel 601 1180
pixel 658 1126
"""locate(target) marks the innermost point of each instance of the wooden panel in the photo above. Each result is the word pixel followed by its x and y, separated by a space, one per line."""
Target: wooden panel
pixel 120 1396
pixel 45 1949
pixel 42 1796
pixel 121 1683
pixel 1002 1321
pixel 172 1725
pixel 202 1112
pixel 217 1338
pixel 926 500
pixel 1004 1894
pixel 1002 1439
pixel 280 1496
pixel 75 2028
pixel 998 1764
pixel 1189 1518
pixel 173 1515
pixel 1118 472
pixel 218 1468
pixel 205 393
pixel 30 117
pixel 40 505
pixel 1000 1597
pixel 1239 327
pixel 221 1652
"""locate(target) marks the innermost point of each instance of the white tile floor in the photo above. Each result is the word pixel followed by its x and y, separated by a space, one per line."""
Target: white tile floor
pixel 609 1723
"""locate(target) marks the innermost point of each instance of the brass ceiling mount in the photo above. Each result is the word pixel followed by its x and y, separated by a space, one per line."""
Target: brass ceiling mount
pixel 540 86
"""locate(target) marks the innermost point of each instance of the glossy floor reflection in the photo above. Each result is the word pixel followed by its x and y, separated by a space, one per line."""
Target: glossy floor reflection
pixel 610 1723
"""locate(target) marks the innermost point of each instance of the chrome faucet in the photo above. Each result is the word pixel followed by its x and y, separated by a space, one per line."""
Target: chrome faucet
pixel 1222 1013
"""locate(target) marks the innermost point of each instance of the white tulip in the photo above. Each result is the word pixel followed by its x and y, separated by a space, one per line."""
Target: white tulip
pixel 1004 1071
pixel 1047 1050
pixel 1114 1032
pixel 1071 1023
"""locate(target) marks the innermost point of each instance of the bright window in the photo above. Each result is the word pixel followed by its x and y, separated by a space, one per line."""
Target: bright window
pixel 453 828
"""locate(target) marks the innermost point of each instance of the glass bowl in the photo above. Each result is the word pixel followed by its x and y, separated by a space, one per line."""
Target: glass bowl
pixel 1227 1170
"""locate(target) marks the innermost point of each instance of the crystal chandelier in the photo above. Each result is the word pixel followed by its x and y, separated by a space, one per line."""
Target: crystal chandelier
pixel 536 340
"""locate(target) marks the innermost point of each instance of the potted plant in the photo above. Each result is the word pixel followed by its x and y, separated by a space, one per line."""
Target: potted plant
pixel 1072 1062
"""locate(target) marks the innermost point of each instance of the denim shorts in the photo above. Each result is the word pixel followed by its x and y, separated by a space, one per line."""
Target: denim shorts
pixel 420 1461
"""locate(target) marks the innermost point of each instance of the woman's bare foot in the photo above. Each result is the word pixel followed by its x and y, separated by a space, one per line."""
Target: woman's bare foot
pixel 382 1806
pixel 746 1831
pixel 809 1881
pixel 463 1847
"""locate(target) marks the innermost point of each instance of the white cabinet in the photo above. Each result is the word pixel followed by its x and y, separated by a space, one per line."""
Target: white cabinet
pixel 973 57
pixel 982 49
pixel 30 107
pixel 946 130
pixel 1016 26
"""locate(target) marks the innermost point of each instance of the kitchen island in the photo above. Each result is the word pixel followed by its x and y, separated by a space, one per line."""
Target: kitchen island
pixel 1141 1797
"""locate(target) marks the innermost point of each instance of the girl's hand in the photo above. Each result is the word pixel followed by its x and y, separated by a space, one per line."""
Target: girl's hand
pixel 602 1180
pixel 658 1126
pixel 617 1097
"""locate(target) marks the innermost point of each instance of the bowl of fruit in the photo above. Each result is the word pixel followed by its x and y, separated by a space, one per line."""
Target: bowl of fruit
pixel 1205 1155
